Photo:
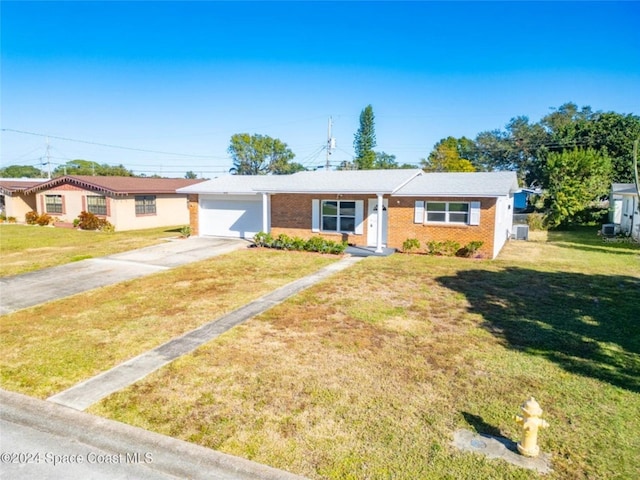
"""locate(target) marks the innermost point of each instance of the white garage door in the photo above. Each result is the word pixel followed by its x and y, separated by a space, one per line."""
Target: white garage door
pixel 239 216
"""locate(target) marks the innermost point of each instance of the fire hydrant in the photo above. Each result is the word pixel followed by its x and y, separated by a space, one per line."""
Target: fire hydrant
pixel 531 422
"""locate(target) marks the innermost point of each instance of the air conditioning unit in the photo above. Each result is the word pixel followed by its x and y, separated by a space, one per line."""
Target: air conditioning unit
pixel 609 229
pixel 521 232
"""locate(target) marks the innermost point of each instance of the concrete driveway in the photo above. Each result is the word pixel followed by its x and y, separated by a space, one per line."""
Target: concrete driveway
pixel 34 288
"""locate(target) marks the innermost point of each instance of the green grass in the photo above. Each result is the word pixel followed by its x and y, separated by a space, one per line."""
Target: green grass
pixel 24 248
pixel 368 374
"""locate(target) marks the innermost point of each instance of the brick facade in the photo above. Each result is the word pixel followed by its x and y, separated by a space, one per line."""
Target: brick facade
pixel 291 214
pixel 194 214
pixel 402 226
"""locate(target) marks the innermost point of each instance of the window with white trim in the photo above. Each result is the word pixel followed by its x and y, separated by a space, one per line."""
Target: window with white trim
pixel 145 205
pixel 53 203
pixel 97 204
pixel 447 212
pixel 338 216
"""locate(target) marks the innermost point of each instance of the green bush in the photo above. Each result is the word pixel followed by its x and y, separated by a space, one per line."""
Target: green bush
pixel 185 231
pixel 447 248
pixel 11 219
pixel 410 244
pixel 536 221
pixel 470 249
pixel 285 242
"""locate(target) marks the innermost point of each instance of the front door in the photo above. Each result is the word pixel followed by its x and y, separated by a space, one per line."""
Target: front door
pixel 372 225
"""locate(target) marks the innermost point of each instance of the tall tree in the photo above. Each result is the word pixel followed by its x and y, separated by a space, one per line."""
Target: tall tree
pixel 87 167
pixel 576 179
pixel 365 140
pixel 20 171
pixel 260 155
pixel 190 175
pixel 445 157
pixel 385 161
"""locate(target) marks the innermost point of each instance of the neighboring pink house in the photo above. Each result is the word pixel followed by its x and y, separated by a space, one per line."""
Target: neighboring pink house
pixel 128 203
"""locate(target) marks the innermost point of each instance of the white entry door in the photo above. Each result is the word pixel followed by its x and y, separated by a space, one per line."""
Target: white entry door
pixel 372 225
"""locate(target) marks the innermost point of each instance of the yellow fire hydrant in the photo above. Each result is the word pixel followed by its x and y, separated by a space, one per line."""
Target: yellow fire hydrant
pixel 531 422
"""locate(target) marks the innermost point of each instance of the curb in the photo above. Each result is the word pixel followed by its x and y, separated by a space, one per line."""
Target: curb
pixel 171 456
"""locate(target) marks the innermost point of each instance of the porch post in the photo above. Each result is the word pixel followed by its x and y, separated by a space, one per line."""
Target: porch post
pixel 265 212
pixel 380 213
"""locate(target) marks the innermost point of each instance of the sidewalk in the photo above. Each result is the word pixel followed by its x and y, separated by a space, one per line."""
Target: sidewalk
pixel 49 442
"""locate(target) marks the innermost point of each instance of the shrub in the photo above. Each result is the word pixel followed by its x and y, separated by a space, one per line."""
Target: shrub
pixel 31 217
pixel 12 219
pixel 185 231
pixel 410 244
pixel 262 239
pixel 88 221
pixel 536 221
pixel 44 220
pixel 447 248
pixel 285 242
pixel 470 249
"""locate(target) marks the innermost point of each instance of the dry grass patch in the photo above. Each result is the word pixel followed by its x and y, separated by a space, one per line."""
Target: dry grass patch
pixel 48 348
pixel 25 248
pixel 367 375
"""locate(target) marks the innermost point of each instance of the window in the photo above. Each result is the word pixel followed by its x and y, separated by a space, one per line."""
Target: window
pixel 53 203
pixel 146 205
pixel 97 204
pixel 338 216
pixel 447 212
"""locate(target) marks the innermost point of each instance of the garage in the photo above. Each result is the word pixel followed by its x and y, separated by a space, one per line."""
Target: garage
pixel 238 216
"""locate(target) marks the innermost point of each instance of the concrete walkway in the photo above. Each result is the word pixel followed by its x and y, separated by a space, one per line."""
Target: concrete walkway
pixel 91 391
pixel 34 288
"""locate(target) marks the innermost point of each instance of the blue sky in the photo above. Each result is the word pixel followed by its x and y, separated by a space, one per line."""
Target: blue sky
pixel 182 77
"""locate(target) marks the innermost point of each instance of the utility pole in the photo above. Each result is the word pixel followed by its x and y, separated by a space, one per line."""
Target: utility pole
pixel 331 143
pixel 48 160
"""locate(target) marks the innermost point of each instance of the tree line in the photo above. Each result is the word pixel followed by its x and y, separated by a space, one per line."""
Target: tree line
pixel 573 153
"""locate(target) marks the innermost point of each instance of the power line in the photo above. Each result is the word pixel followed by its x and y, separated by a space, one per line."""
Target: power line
pixel 108 145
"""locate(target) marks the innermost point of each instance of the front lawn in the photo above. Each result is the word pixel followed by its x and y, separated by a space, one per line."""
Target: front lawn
pixel 48 348
pixel 368 374
pixel 24 248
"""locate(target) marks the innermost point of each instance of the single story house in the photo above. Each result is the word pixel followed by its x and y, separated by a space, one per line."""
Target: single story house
pixel 128 203
pixel 13 200
pixel 624 209
pixel 374 208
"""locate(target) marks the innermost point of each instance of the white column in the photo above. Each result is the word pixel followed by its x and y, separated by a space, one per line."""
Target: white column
pixel 265 212
pixel 380 213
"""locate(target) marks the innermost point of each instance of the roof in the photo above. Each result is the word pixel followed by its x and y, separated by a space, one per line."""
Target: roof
pixel 396 182
pixel 347 181
pixel 471 184
pixel 118 185
pixel 319 181
pixel 621 188
pixel 9 186
pixel 235 184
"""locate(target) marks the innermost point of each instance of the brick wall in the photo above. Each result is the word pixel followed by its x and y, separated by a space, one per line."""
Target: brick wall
pixel 402 227
pixel 291 215
pixel 192 202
